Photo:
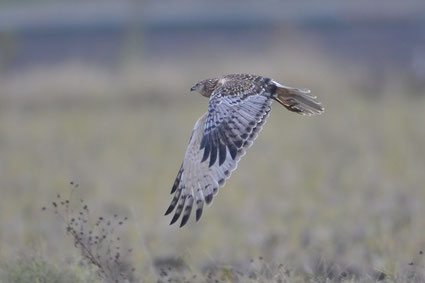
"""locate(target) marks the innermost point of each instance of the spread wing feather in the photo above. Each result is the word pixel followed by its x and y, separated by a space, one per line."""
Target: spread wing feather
pixel 219 140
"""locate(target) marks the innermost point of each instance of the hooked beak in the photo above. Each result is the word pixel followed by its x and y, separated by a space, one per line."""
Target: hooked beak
pixel 192 88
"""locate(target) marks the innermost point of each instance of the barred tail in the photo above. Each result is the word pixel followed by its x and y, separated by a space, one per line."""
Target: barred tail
pixel 297 100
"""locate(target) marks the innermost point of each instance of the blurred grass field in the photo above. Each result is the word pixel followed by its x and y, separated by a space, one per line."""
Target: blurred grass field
pixel 342 191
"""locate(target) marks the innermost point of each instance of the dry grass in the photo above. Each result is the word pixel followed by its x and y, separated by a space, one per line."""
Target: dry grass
pixel 336 197
pixel 98 238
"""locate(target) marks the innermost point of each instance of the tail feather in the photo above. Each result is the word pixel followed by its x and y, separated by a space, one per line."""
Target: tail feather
pixel 297 100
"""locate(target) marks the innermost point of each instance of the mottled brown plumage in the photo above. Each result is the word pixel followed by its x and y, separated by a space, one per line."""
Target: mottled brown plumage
pixel 239 105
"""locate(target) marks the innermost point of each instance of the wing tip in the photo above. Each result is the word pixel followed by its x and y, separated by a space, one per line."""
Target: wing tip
pixel 184 219
pixel 175 218
pixel 198 214
pixel 208 198
pixel 170 209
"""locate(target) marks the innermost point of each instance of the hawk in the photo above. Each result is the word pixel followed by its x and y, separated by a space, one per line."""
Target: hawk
pixel 239 105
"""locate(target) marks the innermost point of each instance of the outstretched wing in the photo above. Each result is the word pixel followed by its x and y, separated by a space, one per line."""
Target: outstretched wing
pixel 237 111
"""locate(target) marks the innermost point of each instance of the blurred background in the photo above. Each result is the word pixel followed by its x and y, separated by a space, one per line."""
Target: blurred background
pixel 97 92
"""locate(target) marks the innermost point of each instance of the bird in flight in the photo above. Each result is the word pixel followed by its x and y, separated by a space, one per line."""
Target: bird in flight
pixel 239 105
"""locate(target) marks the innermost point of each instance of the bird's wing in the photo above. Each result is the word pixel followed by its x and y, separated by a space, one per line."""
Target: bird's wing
pixel 236 114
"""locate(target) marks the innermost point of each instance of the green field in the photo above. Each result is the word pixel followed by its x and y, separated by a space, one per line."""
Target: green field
pixel 339 197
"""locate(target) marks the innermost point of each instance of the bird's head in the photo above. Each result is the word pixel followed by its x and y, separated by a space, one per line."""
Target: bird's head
pixel 205 87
